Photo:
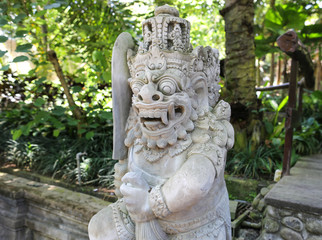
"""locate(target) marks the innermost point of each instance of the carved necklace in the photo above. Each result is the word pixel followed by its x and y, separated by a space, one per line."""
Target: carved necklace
pixel 155 154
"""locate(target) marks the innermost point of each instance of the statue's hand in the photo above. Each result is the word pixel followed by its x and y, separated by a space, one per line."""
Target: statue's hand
pixel 135 192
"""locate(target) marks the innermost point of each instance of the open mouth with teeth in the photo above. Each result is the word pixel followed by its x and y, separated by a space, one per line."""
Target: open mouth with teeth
pixel 159 117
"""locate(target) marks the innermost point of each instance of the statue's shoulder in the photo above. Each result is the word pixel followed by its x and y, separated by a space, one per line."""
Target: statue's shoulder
pixel 214 135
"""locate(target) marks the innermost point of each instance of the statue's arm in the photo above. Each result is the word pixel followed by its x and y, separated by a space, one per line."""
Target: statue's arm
pixel 190 184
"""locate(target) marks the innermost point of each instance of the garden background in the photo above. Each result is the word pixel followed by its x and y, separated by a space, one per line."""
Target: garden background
pixel 55 82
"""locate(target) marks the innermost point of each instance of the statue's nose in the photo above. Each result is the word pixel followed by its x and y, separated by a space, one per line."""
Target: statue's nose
pixel 149 94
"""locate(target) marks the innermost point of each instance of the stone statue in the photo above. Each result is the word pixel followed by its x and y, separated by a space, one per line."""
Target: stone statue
pixel 171 136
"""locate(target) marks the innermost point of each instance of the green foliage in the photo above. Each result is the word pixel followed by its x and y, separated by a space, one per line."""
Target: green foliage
pixel 82 34
pixel 307 140
pixel 57 159
pixel 29 127
pixel 286 16
pixel 207 26
pixel 38 130
pixel 268 157
pixel 254 164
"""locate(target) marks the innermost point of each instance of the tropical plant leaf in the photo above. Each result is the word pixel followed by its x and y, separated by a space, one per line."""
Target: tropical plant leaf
pixel 56 132
pixel 20 59
pixel 5 68
pixel 282 104
pixel 19 18
pixel 53 5
pixel 76 89
pixel 3 21
pixel 16 134
pixel 106 115
pixel 24 47
pixel 39 102
pixel 21 33
pixel 273 104
pixel 89 135
pixel 2 53
pixel 3 39
pixel 59 111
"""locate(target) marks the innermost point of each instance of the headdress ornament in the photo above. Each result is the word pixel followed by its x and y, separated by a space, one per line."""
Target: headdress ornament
pixel 166 45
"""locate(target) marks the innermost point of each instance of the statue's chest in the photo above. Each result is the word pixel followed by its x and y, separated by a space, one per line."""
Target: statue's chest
pixel 155 163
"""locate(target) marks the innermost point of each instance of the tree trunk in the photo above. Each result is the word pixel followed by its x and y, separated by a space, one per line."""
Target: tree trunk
pixel 52 57
pixel 240 72
pixel 240 52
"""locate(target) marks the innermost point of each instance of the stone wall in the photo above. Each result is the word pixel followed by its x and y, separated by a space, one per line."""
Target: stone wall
pixel 282 223
pixel 32 210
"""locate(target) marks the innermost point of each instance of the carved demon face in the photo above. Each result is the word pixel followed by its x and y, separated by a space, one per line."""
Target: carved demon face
pixel 169 93
pixel 163 108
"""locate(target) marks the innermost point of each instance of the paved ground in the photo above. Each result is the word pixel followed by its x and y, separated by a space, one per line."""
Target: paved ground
pixel 301 190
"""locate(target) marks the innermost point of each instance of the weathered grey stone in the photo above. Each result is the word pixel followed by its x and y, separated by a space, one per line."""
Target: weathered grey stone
pixel 273 212
pixel 314 226
pixel 176 137
pixel 293 223
pixel 256 215
pixel 268 236
pixel 256 201
pixel 270 225
pixel 300 216
pixel 289 234
pixel 249 234
pixel 314 237
pixel 264 191
pixel 44 212
pixel 309 216
pixel 285 213
pixel 271 186
pixel 261 205
pixel 240 187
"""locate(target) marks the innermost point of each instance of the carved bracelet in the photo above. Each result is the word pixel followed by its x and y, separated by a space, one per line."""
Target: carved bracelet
pixel 157 203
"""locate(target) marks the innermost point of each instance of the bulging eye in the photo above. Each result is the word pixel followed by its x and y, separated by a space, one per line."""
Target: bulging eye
pixel 167 87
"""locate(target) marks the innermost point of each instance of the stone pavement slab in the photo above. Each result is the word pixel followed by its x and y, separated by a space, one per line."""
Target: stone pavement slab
pixel 302 190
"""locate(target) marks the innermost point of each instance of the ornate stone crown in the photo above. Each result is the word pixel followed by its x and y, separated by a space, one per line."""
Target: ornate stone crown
pixel 167 31
pixel 166 45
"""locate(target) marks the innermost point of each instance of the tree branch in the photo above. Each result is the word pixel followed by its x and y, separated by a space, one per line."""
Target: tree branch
pixel 52 57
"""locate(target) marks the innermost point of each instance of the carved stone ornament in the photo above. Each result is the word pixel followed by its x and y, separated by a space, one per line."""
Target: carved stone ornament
pixel 171 136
